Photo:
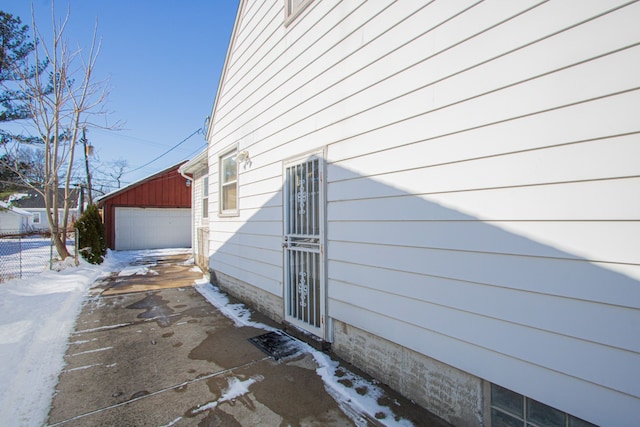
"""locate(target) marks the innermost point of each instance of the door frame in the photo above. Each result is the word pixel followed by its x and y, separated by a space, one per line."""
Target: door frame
pixel 324 330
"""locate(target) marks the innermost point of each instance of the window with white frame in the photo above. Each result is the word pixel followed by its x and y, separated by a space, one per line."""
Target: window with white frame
pixel 293 8
pixel 205 197
pixel 509 409
pixel 229 183
pixel 36 218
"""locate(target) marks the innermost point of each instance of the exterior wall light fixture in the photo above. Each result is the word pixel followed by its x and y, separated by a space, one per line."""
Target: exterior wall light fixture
pixel 243 157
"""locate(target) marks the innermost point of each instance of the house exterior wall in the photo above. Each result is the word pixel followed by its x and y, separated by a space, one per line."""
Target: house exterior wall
pixel 200 229
pixel 481 180
pixel 167 189
pixel 32 201
pixel 74 214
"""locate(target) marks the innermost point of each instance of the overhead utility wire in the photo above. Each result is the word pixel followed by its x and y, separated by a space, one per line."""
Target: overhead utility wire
pixel 198 150
pixel 132 138
pixel 165 153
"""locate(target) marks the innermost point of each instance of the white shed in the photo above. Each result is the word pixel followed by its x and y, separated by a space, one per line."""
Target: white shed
pixel 12 219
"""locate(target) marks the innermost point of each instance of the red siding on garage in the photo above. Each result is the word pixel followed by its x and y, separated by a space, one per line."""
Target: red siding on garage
pixel 166 189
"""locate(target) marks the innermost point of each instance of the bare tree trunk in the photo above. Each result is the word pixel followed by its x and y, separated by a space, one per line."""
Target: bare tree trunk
pixel 60 103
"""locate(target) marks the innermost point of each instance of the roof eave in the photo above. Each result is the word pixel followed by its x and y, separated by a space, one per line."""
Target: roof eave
pixel 224 68
pixel 198 162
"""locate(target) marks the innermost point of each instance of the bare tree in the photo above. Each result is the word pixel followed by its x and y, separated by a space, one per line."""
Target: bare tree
pixel 116 171
pixel 27 161
pixel 61 102
pixel 107 176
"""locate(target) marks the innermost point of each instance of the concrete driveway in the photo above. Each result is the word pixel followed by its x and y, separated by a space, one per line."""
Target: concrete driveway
pixel 150 350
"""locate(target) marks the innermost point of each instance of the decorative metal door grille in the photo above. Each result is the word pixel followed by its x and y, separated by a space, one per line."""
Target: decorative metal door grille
pixel 304 292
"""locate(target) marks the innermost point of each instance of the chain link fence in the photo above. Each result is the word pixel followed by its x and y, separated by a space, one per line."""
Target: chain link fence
pixel 24 255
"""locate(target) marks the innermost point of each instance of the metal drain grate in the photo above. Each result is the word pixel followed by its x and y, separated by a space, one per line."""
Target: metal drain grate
pixel 276 344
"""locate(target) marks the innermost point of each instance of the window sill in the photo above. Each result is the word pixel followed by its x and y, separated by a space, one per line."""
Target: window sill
pixel 228 214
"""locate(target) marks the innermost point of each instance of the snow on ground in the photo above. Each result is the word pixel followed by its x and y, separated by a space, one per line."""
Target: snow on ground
pixel 236 389
pixel 37 316
pixel 348 398
pixel 133 270
pixel 26 256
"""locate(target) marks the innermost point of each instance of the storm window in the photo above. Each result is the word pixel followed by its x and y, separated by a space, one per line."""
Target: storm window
pixel 229 183
pixel 293 8
pixel 205 197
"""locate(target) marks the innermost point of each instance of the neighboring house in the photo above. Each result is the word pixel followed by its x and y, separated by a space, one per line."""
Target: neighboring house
pixel 196 171
pixel 33 202
pixel 448 192
pixel 152 213
pixel 13 220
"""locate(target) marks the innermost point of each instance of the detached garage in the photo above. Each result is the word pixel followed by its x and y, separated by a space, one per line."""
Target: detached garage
pixel 152 213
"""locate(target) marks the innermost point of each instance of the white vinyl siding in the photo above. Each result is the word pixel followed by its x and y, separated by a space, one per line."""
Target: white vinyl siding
pixel 292 8
pixel 40 220
pixel 482 181
pixel 199 202
pixel 12 221
pixel 198 170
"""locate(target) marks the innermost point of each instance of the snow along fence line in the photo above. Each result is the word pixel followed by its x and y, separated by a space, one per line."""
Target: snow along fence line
pixel 24 255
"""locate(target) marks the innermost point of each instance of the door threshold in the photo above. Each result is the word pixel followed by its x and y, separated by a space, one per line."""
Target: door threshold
pixel 307 337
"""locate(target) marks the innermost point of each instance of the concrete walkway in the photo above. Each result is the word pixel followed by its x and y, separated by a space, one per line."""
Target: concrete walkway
pixel 150 350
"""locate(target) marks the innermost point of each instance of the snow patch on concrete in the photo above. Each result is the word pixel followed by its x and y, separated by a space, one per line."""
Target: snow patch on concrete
pixel 359 397
pixel 236 389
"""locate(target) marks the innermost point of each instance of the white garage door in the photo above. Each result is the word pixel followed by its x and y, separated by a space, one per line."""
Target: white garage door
pixel 152 228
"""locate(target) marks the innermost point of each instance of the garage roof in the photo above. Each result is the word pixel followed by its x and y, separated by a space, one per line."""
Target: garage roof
pixel 158 176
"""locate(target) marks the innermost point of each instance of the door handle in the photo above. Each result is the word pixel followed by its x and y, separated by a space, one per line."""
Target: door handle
pixel 285 245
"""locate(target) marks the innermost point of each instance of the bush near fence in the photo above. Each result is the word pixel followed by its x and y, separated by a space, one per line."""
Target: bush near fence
pixel 24 255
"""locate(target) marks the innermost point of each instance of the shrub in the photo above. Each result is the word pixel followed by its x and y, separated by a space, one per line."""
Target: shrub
pixel 91 239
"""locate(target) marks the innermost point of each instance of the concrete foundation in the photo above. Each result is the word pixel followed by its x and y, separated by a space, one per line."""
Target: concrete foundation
pixel 453 395
pixel 264 302
pixel 447 392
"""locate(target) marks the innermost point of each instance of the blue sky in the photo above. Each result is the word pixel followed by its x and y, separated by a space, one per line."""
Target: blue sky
pixel 164 60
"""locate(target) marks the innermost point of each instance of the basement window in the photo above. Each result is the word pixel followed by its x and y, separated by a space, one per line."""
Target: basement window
pixel 510 409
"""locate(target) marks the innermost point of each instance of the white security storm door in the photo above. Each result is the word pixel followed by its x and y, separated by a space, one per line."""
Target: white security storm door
pixel 152 228
pixel 303 242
